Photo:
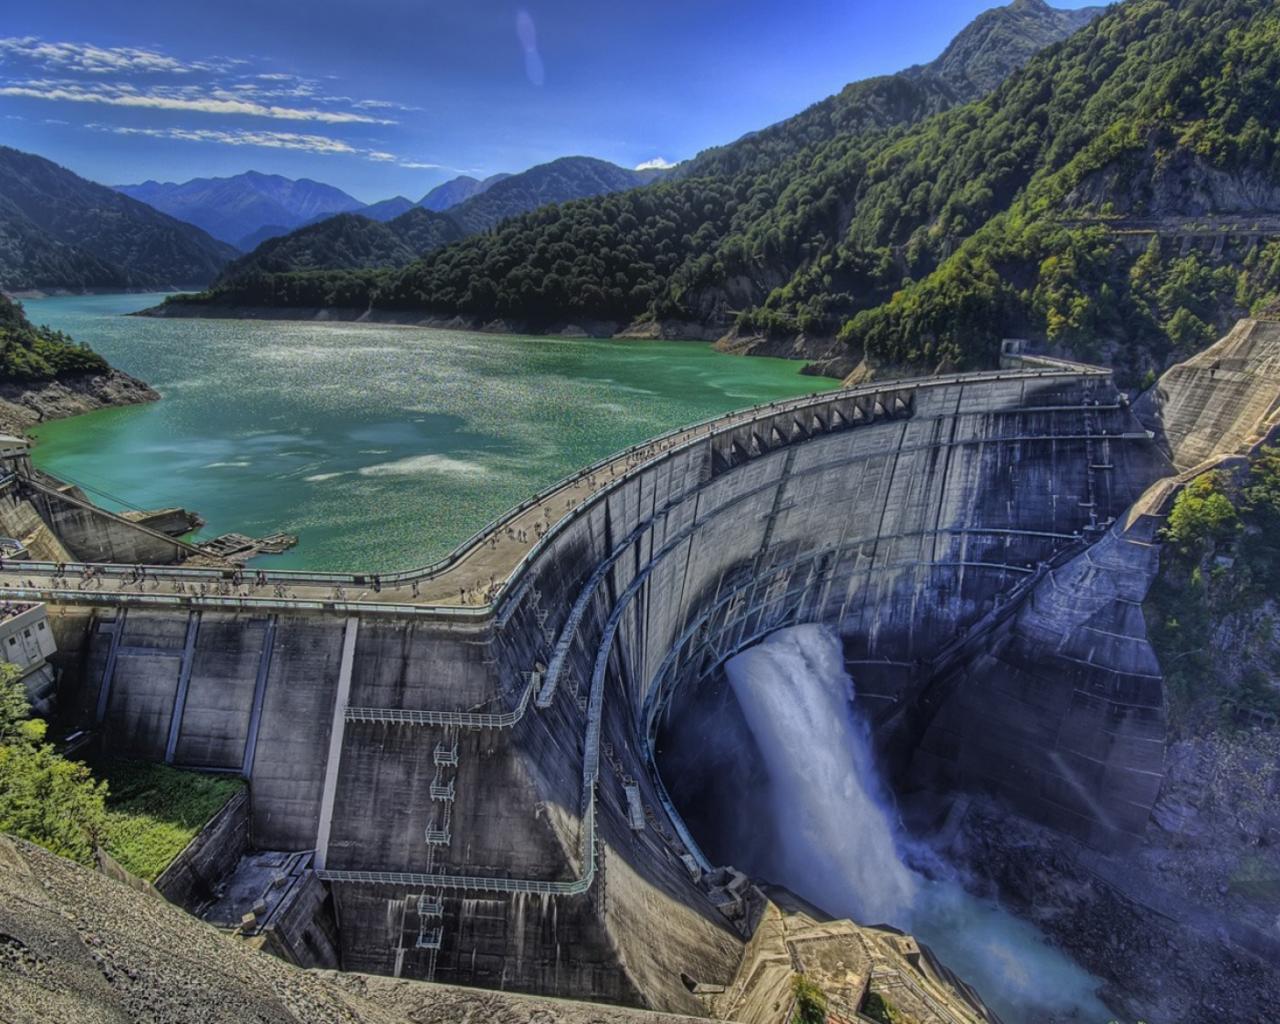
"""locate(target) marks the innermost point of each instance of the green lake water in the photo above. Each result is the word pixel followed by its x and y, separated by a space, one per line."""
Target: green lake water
pixel 380 447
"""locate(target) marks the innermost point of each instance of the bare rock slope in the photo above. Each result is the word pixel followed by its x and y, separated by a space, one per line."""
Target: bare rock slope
pixel 79 948
pixel 23 404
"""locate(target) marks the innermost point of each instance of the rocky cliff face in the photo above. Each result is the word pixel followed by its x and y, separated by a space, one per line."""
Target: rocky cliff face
pixel 79 948
pixel 25 404
pixel 1167 958
pixel 1219 400
pixel 1001 40
pixel 1185 925
pixel 1179 184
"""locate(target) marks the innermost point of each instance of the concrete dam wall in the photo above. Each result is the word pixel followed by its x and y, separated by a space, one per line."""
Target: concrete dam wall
pixel 478 784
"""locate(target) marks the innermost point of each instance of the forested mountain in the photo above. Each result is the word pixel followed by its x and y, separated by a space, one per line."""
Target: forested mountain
pixel 456 190
pixel 238 209
pixel 999 41
pixel 570 177
pixel 29 353
pixel 1118 198
pixel 387 209
pixel 59 231
pixel 987 50
pixel 636 257
pixel 348 246
pixel 350 241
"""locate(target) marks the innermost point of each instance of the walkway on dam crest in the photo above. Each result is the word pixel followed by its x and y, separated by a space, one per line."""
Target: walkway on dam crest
pixel 468 581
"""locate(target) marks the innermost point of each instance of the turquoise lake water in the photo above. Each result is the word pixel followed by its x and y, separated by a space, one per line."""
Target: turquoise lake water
pixel 380 447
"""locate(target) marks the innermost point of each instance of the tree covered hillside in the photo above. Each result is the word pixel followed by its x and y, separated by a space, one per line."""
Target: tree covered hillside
pixel 59 231
pixel 634 265
pixel 30 353
pixel 349 240
pixel 570 177
pixel 990 48
pixel 1162 114
pixel 1046 209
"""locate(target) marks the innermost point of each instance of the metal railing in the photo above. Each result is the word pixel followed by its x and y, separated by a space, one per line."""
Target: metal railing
pixel 481 883
pixel 697 432
pixel 460 719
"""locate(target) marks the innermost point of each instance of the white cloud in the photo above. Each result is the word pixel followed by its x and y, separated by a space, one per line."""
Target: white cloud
pixel 267 139
pixel 222 103
pixel 86 73
pixel 656 164
pixel 322 145
pixel 100 59
pixel 142 79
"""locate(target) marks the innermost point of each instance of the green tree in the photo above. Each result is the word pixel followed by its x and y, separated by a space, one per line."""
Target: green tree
pixel 810 1002
pixel 1202 514
pixel 44 797
pixel 16 723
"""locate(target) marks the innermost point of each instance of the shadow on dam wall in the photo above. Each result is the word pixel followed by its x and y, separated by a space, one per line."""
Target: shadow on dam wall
pixel 480 791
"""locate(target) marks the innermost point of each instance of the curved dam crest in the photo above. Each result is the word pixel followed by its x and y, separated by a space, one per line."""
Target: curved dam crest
pixel 476 782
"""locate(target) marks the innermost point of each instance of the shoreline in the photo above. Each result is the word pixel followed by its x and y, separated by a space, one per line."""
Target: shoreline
pixel 27 404
pixel 21 294
pixel 823 357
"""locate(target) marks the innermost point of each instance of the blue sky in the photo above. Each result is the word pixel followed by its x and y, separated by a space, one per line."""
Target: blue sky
pixel 394 96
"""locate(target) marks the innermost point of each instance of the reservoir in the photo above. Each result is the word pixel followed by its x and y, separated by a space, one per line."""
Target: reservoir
pixel 380 447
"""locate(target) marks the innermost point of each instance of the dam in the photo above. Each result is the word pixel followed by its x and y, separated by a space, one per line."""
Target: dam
pixel 463 755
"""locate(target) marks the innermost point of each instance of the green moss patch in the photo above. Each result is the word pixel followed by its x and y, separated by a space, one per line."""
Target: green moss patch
pixel 154 811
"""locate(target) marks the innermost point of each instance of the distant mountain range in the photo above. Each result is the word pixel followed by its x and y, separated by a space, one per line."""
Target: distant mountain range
pixel 457 190
pixel 340 243
pixel 671 241
pixel 387 209
pixel 570 177
pixel 59 231
pixel 248 209
pixel 240 209
pixel 252 209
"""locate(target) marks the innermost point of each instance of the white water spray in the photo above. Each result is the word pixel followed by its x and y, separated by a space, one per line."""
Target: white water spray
pixel 836 843
pixel 835 838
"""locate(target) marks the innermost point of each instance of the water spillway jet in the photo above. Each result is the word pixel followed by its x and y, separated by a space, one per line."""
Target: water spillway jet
pixel 832 831
pixel 825 827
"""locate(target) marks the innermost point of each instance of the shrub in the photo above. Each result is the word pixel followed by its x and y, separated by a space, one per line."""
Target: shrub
pixel 811 1002
pixel 44 797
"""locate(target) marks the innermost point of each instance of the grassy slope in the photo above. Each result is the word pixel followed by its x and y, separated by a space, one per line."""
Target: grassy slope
pixel 154 811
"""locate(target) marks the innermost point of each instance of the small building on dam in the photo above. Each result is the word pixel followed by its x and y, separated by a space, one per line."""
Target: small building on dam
pixel 467 792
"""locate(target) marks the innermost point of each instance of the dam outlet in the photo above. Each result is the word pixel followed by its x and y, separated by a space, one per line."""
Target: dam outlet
pixel 791 792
